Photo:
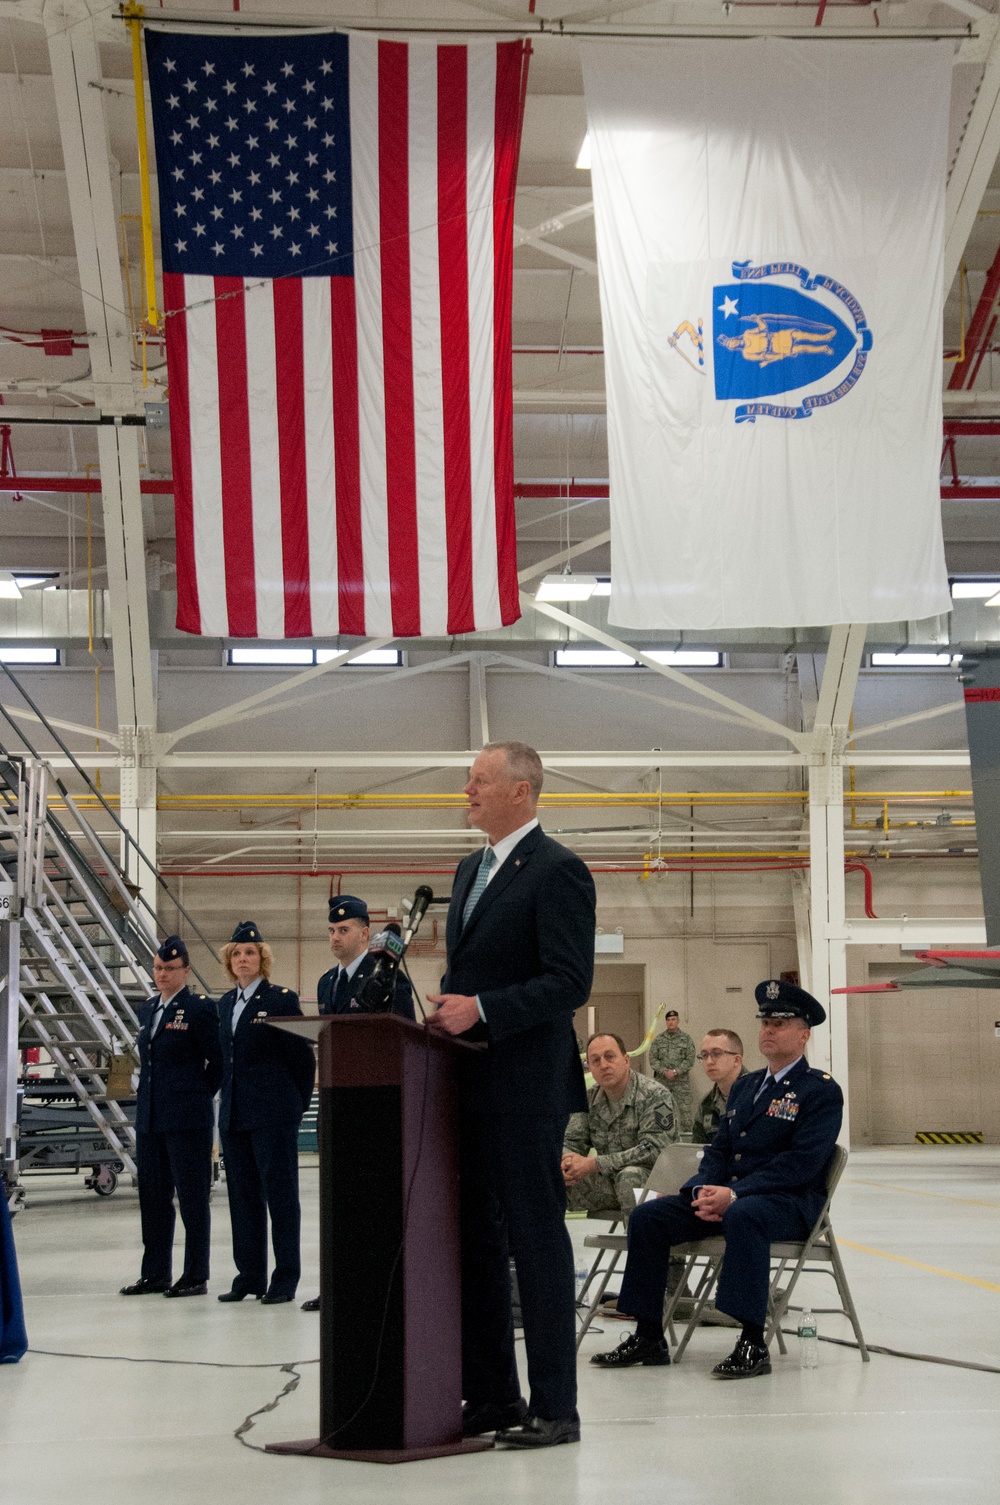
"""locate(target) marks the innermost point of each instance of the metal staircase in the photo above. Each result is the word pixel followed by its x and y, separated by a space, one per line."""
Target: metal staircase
pixel 76 950
pixel 86 952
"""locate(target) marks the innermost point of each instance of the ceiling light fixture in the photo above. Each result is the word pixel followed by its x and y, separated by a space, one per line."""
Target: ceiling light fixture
pixel 583 160
pixel 9 588
pixel 567 587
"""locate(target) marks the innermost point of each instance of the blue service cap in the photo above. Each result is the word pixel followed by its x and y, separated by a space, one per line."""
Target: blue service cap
pixel 347 907
pixel 172 949
pixel 785 1000
pixel 247 930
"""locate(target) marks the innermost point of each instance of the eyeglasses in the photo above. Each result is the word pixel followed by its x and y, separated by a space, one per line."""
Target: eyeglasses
pixel 715 1055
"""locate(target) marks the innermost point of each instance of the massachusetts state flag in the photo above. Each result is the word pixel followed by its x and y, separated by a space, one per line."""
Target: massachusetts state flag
pixel 336 222
pixel 770 227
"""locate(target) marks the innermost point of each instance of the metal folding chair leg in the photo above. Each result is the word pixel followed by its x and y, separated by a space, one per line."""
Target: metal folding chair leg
pixel 602 1285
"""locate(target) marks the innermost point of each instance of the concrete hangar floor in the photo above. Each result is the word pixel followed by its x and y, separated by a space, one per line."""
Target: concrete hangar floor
pixel 920 1230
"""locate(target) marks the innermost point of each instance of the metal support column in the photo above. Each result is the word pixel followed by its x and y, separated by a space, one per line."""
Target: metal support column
pixel 10 947
pixel 137 812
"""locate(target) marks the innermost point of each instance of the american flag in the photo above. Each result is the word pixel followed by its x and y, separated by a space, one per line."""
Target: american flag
pixel 336 224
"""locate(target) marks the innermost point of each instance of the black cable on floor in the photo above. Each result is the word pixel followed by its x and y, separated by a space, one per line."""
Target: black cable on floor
pixel 127 1358
pixel 901 1353
pixel 248 1421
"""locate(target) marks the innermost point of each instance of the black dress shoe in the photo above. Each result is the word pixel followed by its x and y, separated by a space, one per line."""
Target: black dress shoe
pixel 746 1360
pixel 187 1288
pixel 536 1432
pixel 633 1350
pixel 145 1288
pixel 312 1305
pixel 275 1298
pixel 235 1295
pixel 492 1417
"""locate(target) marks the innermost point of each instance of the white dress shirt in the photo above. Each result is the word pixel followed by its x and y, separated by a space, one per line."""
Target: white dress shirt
pixel 501 851
pixel 243 997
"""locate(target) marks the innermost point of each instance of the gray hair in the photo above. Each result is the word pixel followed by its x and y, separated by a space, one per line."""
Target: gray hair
pixel 522 763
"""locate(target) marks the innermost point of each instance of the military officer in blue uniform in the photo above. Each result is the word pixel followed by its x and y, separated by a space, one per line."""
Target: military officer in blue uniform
pixel 180 1071
pixel 337 990
pixel 762 1180
pixel 266 1088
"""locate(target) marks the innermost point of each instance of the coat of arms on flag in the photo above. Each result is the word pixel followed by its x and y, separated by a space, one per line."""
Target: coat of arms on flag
pixel 776 331
pixel 336 224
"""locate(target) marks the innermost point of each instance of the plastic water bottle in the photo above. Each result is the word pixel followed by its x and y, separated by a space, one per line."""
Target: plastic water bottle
pixel 808 1341
pixel 581 1274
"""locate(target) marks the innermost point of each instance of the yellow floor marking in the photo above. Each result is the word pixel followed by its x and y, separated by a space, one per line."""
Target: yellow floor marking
pixel 900 1259
pixel 912 1192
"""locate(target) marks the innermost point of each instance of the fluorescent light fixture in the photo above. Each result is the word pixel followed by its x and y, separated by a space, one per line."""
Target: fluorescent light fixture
pixel 592 658
pixel 686 658
pixel 611 658
pixel 375 657
pixel 566 588
pixel 603 586
pixel 29 655
pixel 583 160
pixel 25 581
pixel 969 590
pixel 9 588
pixel 271 656
pixel 914 660
pixel 993 600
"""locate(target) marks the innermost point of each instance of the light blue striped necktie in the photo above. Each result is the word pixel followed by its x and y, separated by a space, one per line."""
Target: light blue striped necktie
pixel 479 887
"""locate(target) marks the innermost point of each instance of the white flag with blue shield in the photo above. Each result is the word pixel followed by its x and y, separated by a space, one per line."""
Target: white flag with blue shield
pixel 770 224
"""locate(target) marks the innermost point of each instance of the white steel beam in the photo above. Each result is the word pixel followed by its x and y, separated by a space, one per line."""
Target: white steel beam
pixel 479 720
pixel 913 932
pixel 542 567
pixel 237 711
pixel 974 163
pixel 889 726
pixel 76 77
pixel 745 713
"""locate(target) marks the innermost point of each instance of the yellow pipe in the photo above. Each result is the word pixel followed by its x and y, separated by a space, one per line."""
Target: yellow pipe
pixel 222 802
pixel 132 16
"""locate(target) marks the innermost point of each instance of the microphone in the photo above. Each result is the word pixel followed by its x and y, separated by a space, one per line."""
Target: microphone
pixel 389 948
pixel 421 899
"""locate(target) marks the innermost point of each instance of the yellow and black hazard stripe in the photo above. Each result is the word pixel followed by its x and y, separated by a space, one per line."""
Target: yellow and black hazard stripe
pixel 949 1136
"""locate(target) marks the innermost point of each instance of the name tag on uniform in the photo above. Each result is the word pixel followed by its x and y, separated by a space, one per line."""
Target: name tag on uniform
pixel 783 1107
pixel 731 1113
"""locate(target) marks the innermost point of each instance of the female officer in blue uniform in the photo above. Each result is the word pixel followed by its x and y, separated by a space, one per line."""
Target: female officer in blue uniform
pixel 266 1088
pixel 180 1071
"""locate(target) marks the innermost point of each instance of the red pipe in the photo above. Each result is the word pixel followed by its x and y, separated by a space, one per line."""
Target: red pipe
pixel 859 867
pixel 977 328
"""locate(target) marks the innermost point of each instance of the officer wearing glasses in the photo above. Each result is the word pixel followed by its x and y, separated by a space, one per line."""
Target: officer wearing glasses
pixel 721 1058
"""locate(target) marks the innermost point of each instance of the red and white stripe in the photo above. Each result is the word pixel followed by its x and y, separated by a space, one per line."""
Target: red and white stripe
pixel 343 449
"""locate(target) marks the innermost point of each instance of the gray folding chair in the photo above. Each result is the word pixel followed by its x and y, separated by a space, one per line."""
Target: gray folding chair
pixel 675 1164
pixel 816 1254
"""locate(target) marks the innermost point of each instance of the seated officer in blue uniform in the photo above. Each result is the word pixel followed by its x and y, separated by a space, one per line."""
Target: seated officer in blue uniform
pixel 180 1071
pixel 337 990
pixel 266 1088
pixel 762 1180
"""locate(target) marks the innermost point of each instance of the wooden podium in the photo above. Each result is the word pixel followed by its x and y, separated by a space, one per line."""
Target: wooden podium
pixel 390 1313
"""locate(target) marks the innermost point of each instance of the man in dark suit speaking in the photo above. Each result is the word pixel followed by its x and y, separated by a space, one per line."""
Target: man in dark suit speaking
pixel 520 942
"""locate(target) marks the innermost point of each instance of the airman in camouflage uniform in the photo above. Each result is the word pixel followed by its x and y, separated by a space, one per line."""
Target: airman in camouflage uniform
pixel 627 1135
pixel 708 1113
pixel 671 1057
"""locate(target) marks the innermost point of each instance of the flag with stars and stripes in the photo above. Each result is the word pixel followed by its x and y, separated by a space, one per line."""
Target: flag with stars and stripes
pixel 336 223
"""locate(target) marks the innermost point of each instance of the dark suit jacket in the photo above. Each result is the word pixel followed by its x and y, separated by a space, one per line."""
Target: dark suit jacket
pixel 181 1067
pixel 528 953
pixel 402 1002
pixel 269 1074
pixel 780 1144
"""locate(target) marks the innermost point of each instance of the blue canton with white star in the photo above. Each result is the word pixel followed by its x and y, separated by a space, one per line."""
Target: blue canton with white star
pixel 253 154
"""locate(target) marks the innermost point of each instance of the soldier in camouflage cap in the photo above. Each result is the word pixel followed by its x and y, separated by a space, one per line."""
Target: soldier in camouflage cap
pixel 629 1121
pixel 671 1057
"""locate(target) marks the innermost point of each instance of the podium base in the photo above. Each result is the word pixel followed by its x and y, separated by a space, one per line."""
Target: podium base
pixel 314 1447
